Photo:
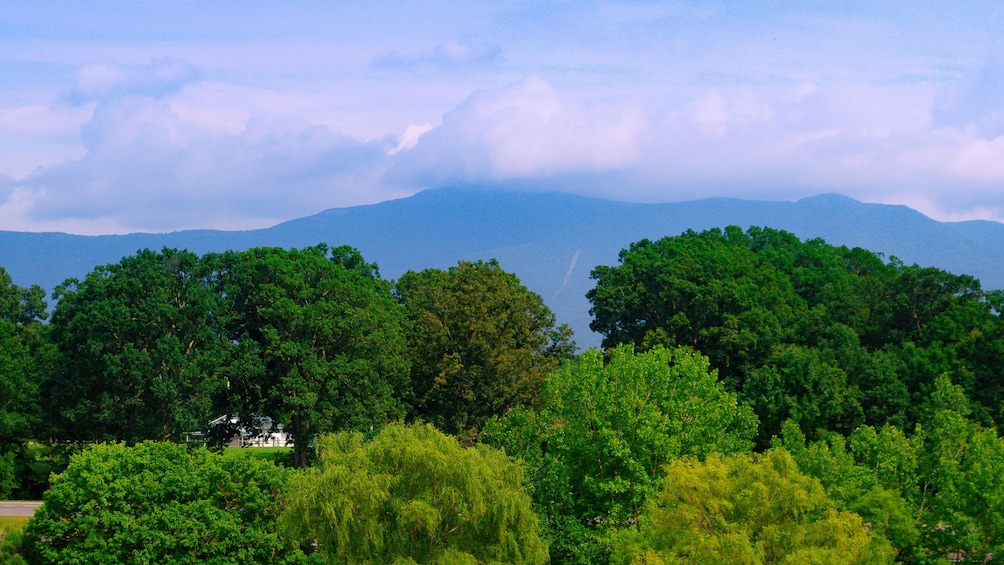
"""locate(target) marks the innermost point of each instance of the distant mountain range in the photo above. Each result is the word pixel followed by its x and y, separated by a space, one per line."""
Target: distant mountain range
pixel 551 240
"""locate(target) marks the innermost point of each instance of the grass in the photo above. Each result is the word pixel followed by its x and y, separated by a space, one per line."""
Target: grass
pixel 10 539
pixel 12 524
pixel 10 527
pixel 280 455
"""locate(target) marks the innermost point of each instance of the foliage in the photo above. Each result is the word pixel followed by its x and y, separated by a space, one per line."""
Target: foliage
pixel 22 339
pixel 876 491
pixel 320 341
pixel 159 503
pixel 596 448
pixel 413 495
pixel 829 337
pixel 746 509
pixel 932 494
pixel 480 343
pixel 10 540
pixel 141 351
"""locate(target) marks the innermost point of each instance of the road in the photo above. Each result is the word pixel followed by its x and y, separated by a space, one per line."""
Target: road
pixel 19 508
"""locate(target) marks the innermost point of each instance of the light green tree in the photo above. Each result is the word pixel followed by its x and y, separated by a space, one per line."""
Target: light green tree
pixel 596 448
pixel 746 509
pixel 413 495
pixel 161 503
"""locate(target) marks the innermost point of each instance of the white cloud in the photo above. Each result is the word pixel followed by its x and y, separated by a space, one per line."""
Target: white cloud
pixel 410 137
pixel 148 168
pixel 518 131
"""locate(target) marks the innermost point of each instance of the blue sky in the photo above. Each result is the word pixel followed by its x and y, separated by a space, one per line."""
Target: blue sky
pixel 154 115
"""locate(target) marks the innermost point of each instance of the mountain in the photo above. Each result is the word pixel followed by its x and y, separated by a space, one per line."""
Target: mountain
pixel 551 240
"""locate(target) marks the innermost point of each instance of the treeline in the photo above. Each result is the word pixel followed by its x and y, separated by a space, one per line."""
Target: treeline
pixel 758 399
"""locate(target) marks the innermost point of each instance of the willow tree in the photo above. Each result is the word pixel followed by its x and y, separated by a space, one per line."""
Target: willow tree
pixel 413 495
pixel 747 510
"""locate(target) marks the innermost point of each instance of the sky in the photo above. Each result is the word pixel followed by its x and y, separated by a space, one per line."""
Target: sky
pixel 157 115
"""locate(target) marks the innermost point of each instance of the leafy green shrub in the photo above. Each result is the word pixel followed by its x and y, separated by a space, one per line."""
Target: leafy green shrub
pixel 161 503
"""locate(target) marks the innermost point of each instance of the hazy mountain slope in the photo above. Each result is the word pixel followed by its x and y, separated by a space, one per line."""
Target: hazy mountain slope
pixel 550 240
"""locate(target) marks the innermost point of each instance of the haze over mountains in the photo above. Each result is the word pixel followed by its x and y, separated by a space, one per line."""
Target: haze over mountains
pixel 550 240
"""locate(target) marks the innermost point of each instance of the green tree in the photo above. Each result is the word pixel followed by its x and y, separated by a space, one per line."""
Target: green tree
pixel 707 290
pixel 160 503
pixel 140 351
pixel 596 448
pixel 746 510
pixel 21 337
pixel 413 495
pixel 874 487
pixel 480 344
pixel 319 339
pixel 828 336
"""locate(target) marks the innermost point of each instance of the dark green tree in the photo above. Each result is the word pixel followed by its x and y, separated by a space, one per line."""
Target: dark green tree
pixel 480 344
pixel 141 352
pixel 319 340
pixel 414 495
pixel 22 338
pixel 830 337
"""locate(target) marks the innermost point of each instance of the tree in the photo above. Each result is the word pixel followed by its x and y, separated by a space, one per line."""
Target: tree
pixel 746 509
pixel 319 340
pixel 160 503
pixel 141 351
pixel 871 473
pixel 480 344
pixel 828 336
pixel 709 290
pixel 21 337
pixel 596 448
pixel 413 495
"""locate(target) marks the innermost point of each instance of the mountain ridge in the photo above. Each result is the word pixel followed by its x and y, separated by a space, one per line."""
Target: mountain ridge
pixel 551 240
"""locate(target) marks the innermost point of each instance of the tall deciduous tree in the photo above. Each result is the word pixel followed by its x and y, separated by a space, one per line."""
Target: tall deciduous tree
pixel 141 352
pixel 829 337
pixel 320 340
pixel 596 448
pixel 480 343
pixel 414 495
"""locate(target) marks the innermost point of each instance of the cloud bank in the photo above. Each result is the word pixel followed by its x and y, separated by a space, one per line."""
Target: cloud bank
pixel 626 101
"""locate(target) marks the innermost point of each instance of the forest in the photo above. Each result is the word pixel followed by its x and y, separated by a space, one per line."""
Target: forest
pixel 757 399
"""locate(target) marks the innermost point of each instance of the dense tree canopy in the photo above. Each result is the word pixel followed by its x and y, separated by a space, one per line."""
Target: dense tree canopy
pixel 142 356
pixel 828 336
pixel 414 495
pixel 320 340
pixel 596 447
pixel 480 343
pixel 160 503
pixel 22 345
pixel 871 390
